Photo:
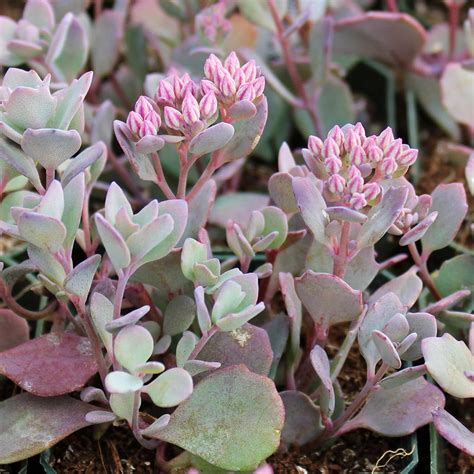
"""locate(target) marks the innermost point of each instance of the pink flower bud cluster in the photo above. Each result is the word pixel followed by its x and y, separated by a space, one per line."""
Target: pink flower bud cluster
pixel 232 82
pixel 213 23
pixel 352 164
pixel 144 119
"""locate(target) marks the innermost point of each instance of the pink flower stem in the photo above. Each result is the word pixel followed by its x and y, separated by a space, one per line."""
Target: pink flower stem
pixel 49 177
pixel 211 167
pixel 424 273
pixel 202 342
pixel 123 173
pixel 288 57
pixel 86 224
pixel 453 27
pixel 160 177
pixel 340 259
pixel 184 166
pixel 391 5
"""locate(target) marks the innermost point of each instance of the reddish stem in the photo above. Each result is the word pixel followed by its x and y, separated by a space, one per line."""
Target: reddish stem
pixel 160 177
pixel 340 259
pixel 424 273
pixel 453 27
pixel 391 5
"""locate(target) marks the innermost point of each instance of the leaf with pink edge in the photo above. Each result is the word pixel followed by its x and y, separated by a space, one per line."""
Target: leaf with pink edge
pixel 13 330
pixel 35 365
pixel 453 431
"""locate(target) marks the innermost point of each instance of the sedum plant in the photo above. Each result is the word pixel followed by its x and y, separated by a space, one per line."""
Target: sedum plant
pixel 218 358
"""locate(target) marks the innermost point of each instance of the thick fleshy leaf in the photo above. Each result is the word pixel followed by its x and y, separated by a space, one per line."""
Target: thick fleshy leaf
pixel 45 232
pixel 35 364
pixel 320 43
pixel 30 425
pixel 382 216
pixel 40 13
pixel 50 147
pixel 417 232
pixel 220 409
pixel 114 244
pixel 211 139
pixel 122 405
pixel 458 93
pixel 248 345
pixel 302 418
pixel 449 361
pixel 82 161
pixel 320 363
pixel 449 200
pixel 347 214
pixel 378 315
pixel 328 299
pixel 453 431
pixel 280 188
pixel 407 287
pixel 247 134
pixel 74 193
pixel 455 274
pixel 154 429
pixel 114 201
pixel 133 346
pixel 424 325
pixel 122 383
pixel 13 330
pixel 179 315
pixel 102 313
pixel 47 264
pixel 170 388
pixel 100 416
pixel 202 312
pixel 386 349
pixel 185 347
pixel 312 207
pixel 130 319
pixel 275 221
pixel 79 281
pixel 395 38
pixel 403 376
pixel 398 411
pixel 234 321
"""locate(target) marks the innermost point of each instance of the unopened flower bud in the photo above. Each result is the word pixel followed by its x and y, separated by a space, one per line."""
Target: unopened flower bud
pixel 173 118
pixel 408 157
pixel 368 143
pixel 389 166
pixel 385 138
pixel 258 86
pixel 354 172
pixel 134 122
pixel 189 87
pixel 357 155
pixel 226 83
pixel 142 106
pixel 315 145
pixel 371 191
pixel 147 128
pixel 165 92
pixel 232 63
pixel 177 87
pixel 239 78
pixel 358 201
pixel 360 130
pixel 333 164
pixel 154 118
pixel 356 184
pixel 250 70
pixel 208 86
pixel 374 154
pixel 210 67
pixel 337 135
pixel 330 148
pixel 190 109
pixel 246 92
pixel 208 105
pixel 394 149
pixel 352 140
pixel 336 184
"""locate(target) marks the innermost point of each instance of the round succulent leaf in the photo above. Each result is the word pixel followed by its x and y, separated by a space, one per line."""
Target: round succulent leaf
pixel 185 347
pixel 193 252
pixel 417 232
pixel 74 193
pixel 170 388
pixel 454 431
pixel 128 320
pixel 44 232
pixel 423 325
pixel 386 349
pixel 403 376
pixel 30 425
pixel 100 416
pixel 154 429
pixel 275 220
pixel 211 139
pixel 102 313
pixel 302 418
pixel 50 147
pixel 229 298
pixel 218 421
pixel 397 328
pixel 455 274
pixel 114 201
pixel 14 330
pixel 79 280
pixel 448 361
pixel 52 202
pixel 84 160
pixel 122 405
pixel 119 382
pixel 179 315
pixel 320 363
pixel 46 264
pixel 35 364
pixel 133 346
pixel 280 188
pixel 235 320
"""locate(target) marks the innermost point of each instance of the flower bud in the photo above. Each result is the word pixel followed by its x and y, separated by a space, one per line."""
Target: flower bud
pixel 250 70
pixel 142 106
pixel 337 135
pixel 360 130
pixel 315 145
pixel 190 109
pixel 147 128
pixel 385 138
pixel 371 191
pixel 239 78
pixel 389 166
pixel 356 184
pixel 408 157
pixel 208 105
pixel 173 118
pixel 154 118
pixel 358 201
pixel 354 172
pixel 246 92
pixel 258 86
pixel 351 140
pixel 210 67
pixel 336 184
pixel 226 83
pixel 357 155
pixel 208 86
pixel 333 164
pixel 394 149
pixel 368 143
pixel 330 148
pixel 189 87
pixel 165 92
pixel 134 122
pixel 374 154
pixel 232 63
pixel 177 87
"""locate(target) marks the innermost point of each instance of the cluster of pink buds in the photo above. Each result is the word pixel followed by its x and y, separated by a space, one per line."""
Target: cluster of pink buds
pixel 352 164
pixel 213 23
pixel 144 119
pixel 231 82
